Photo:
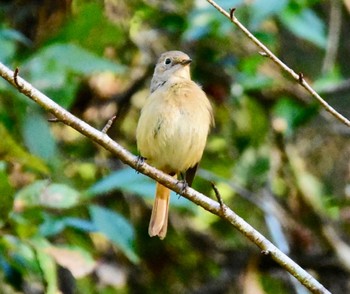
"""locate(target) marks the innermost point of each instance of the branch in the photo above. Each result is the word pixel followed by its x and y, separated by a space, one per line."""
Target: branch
pixel 335 22
pixel 208 204
pixel 266 52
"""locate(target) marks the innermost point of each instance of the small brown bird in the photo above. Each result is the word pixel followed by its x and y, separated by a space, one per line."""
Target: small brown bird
pixel 173 128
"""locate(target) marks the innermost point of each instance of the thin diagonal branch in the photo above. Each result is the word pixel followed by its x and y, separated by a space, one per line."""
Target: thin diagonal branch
pixel 125 156
pixel 297 77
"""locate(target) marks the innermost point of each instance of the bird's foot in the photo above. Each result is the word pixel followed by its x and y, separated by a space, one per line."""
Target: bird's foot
pixel 183 184
pixel 139 161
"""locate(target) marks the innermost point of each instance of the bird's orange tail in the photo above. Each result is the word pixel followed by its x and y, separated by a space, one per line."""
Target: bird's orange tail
pixel 159 219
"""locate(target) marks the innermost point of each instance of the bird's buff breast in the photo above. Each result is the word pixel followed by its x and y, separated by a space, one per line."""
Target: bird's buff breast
pixel 173 128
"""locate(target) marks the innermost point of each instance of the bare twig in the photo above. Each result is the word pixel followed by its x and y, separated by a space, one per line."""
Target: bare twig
pixel 205 202
pixel 109 124
pixel 218 195
pixel 280 64
pixel 15 75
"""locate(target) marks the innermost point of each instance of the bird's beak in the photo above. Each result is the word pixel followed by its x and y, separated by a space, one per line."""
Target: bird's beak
pixel 185 61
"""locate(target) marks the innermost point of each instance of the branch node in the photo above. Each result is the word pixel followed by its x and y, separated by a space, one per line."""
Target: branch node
pixel 263 54
pixel 265 252
pixel 109 124
pixel 232 11
pixel 15 78
pixel 54 120
pixel 301 78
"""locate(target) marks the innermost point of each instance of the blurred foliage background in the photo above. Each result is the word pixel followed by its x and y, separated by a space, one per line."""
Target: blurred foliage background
pixel 74 219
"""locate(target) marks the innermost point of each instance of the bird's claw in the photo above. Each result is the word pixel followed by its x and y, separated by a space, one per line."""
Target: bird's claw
pixel 184 185
pixel 140 160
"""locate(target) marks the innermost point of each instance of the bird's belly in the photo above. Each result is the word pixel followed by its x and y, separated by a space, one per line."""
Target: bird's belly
pixel 178 142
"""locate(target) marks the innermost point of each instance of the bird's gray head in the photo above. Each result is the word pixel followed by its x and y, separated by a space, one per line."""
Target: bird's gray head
pixel 171 64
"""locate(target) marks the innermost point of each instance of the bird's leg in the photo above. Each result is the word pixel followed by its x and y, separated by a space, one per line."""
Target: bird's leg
pixel 183 183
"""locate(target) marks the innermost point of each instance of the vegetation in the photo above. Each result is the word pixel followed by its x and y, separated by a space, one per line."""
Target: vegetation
pixel 74 218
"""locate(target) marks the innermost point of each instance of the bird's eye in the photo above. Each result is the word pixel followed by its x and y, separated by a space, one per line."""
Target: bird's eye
pixel 167 61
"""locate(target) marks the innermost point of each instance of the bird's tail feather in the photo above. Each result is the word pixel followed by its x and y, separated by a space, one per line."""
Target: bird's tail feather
pixel 159 219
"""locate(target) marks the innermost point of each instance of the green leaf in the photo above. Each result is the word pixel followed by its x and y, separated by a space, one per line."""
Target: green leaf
pixel 330 79
pixel 21 254
pixel 252 167
pixel 305 24
pixel 46 194
pixel 85 28
pixel 80 60
pixel 11 151
pixel 46 263
pixel 203 20
pixel 54 225
pixel 38 137
pixel 16 36
pixel 6 193
pixel 252 124
pixel 249 77
pixel 293 113
pixel 313 189
pixel 8 40
pixel 52 70
pixel 262 9
pixel 128 180
pixel 116 228
pixel 51 226
pixel 81 224
pixel 199 24
pixel 68 57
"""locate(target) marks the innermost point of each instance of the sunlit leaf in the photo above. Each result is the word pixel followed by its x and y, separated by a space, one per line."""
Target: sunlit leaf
pixel 251 280
pixel 77 260
pixel 112 274
pixel 116 228
pixel 46 194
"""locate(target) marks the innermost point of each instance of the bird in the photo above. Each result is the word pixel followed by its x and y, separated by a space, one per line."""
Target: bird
pixel 172 129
